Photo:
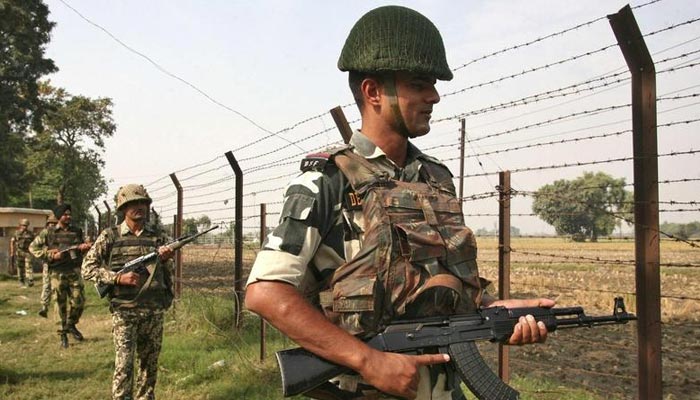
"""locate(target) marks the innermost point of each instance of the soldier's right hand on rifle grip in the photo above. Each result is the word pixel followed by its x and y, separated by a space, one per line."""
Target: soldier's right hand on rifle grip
pixel 128 279
pixel 55 254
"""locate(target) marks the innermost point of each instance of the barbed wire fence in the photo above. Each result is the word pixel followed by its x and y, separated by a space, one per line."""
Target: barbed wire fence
pixel 570 107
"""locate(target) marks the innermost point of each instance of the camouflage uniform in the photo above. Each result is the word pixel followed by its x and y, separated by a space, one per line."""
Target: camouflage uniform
pixel 137 315
pixel 321 226
pixel 66 283
pixel 46 275
pixel 23 259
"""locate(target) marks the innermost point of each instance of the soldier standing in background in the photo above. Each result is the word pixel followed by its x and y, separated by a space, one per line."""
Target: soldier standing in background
pixel 45 275
pixel 62 249
pixel 137 301
pixel 19 249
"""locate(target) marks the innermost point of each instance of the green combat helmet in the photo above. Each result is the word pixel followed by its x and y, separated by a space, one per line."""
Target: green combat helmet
pixel 395 38
pixel 131 192
pixel 24 222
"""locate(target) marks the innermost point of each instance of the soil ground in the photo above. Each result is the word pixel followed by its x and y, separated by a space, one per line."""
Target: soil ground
pixel 602 359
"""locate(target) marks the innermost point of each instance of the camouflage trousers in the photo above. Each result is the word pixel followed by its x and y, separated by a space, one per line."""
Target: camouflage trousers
pixel 138 336
pixel 45 285
pixel 23 264
pixel 69 294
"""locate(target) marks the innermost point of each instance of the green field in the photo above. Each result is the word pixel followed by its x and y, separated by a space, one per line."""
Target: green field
pixel 205 357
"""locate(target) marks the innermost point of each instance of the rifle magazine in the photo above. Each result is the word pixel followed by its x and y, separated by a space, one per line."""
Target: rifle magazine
pixel 477 375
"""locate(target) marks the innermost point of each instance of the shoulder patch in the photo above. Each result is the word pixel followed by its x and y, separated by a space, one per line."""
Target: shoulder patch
pixel 318 161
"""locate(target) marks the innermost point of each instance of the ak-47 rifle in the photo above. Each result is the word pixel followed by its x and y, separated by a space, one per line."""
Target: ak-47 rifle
pixel 455 335
pixel 138 265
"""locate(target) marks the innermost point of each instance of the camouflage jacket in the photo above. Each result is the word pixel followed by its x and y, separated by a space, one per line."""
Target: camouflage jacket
pixel 22 239
pixel 95 265
pixel 45 241
pixel 321 223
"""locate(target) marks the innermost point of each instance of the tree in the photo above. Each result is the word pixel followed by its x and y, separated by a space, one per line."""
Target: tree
pixel 585 207
pixel 24 31
pixel 203 223
pixel 65 159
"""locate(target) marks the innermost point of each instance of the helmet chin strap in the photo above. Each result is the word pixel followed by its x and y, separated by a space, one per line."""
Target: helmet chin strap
pixel 390 88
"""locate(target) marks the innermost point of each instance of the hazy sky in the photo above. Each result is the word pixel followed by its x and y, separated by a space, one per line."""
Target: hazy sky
pixel 275 63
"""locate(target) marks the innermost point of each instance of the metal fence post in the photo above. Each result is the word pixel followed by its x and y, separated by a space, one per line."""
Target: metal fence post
pixel 462 134
pixel 108 215
pixel 504 193
pixel 178 233
pixel 342 123
pixel 238 236
pixel 99 218
pixel 263 231
pixel 646 201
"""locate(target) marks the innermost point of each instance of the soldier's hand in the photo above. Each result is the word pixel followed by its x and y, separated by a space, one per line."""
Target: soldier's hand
pixel 397 374
pixel 54 254
pixel 128 279
pixel 164 253
pixel 527 330
pixel 84 246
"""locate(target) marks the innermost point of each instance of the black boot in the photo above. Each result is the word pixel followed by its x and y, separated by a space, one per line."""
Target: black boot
pixel 64 340
pixel 75 332
pixel 44 312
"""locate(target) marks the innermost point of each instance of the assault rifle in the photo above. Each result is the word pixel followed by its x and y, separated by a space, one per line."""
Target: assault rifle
pixel 138 265
pixel 455 335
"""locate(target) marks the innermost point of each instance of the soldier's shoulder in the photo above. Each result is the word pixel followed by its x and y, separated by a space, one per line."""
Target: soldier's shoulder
pixel 318 161
pixel 435 166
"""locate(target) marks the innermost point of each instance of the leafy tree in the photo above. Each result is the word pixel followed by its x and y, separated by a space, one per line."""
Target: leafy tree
pixel 203 223
pixel 65 159
pixel 584 207
pixel 189 226
pixel 24 31
pixel 682 231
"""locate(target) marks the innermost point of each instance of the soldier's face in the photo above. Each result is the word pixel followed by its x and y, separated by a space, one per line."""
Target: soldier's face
pixel 416 96
pixel 66 218
pixel 136 210
pixel 22 228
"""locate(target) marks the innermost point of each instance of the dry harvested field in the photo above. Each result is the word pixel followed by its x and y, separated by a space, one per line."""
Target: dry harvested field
pixel 601 360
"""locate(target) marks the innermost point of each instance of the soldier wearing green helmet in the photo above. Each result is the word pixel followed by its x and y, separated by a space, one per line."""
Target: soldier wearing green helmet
pixel 138 301
pixel 394 56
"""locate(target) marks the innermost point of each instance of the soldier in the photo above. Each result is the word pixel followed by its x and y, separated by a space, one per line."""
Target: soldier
pixel 45 275
pixel 394 56
pixel 19 249
pixel 62 249
pixel 137 302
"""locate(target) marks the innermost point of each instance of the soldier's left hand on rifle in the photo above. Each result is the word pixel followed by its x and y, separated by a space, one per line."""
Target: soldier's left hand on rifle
pixel 131 278
pixel 527 330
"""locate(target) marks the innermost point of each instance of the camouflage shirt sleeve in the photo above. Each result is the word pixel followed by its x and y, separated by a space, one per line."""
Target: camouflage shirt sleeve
pixel 38 246
pixel 95 261
pixel 307 244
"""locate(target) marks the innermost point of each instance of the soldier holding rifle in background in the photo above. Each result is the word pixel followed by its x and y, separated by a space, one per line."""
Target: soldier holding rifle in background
pixel 19 252
pixel 62 249
pixel 138 301
pixel 394 56
pixel 51 222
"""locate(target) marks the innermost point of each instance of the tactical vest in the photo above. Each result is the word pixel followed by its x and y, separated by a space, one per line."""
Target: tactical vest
pixel 126 248
pixel 417 257
pixel 61 239
pixel 23 240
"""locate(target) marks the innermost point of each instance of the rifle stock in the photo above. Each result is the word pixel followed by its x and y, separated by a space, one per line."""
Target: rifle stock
pixel 302 370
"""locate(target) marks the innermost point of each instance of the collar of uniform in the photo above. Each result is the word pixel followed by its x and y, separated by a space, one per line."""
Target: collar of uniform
pixel 124 229
pixel 367 149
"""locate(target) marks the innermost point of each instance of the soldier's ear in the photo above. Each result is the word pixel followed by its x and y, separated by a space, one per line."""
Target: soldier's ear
pixel 372 91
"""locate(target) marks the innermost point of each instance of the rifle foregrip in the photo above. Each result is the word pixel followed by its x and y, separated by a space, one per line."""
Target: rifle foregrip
pixel 478 377
pixel 302 371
